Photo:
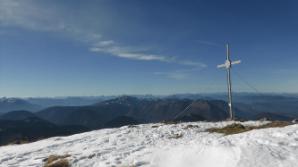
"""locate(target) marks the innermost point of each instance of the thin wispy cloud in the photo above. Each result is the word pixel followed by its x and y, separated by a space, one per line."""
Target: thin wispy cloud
pixel 33 16
pixel 27 14
pixel 112 48
pixel 129 54
pixel 181 74
pixel 173 75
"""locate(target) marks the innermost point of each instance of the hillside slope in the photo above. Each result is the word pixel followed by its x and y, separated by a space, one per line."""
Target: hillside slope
pixel 141 110
pixel 159 145
pixel 32 129
pixel 12 104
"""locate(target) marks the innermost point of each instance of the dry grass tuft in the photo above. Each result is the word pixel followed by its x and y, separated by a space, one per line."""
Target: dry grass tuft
pixel 57 161
pixel 191 126
pixel 230 129
pixel 276 124
pixel 155 126
pixel 239 128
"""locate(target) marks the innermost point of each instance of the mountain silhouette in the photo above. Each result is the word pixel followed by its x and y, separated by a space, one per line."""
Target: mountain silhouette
pixel 140 110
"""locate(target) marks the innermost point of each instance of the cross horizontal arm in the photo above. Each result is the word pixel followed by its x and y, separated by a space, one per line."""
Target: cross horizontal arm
pixel 236 62
pixel 222 66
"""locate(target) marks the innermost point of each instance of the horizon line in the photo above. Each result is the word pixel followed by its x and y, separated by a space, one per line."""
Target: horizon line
pixel 144 94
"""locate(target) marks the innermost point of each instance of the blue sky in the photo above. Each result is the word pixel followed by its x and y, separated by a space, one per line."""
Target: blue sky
pixel 111 47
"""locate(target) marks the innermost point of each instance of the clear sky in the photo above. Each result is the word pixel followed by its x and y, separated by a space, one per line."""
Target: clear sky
pixel 110 47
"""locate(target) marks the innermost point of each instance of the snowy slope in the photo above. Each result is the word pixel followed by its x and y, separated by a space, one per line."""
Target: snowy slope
pixel 158 145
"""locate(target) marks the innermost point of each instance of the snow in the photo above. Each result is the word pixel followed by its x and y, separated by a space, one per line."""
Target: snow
pixel 159 145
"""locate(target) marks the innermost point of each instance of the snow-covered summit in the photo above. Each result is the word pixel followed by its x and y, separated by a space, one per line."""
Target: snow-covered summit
pixel 159 145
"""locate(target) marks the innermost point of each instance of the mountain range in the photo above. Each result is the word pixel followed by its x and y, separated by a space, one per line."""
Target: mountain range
pixel 140 110
pixel 24 126
pixel 126 110
pixel 11 104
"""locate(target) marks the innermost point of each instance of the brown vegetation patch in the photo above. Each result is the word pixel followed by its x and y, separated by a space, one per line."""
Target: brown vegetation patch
pixel 57 161
pixel 239 128
pixel 191 126
pixel 230 129
pixel 276 124
pixel 155 126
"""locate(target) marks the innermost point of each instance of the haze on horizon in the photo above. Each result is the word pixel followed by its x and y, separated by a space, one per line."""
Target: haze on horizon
pixel 89 48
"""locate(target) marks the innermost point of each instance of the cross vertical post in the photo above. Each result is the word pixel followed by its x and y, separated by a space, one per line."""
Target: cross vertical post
pixel 228 65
